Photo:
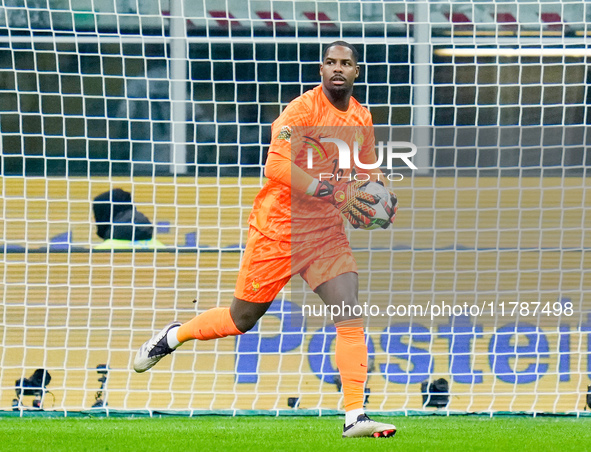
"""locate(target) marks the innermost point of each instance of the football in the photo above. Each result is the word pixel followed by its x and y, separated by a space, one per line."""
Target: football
pixel 381 217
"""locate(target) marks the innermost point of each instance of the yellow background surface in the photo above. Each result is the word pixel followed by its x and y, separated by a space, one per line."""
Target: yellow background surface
pixel 511 240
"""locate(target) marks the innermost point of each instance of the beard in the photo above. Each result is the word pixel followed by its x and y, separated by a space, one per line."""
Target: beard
pixel 340 92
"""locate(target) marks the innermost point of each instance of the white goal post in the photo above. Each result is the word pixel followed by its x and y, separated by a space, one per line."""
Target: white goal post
pixel 483 280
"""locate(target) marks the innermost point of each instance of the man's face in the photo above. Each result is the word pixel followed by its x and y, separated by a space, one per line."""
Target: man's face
pixel 339 70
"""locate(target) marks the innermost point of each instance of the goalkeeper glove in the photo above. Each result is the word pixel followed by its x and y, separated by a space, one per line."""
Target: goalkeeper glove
pixel 354 204
pixel 391 211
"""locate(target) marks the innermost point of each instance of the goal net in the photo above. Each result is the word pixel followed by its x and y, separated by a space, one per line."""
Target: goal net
pixel 480 282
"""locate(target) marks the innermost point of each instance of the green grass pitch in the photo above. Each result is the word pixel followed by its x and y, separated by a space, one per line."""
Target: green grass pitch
pixel 247 433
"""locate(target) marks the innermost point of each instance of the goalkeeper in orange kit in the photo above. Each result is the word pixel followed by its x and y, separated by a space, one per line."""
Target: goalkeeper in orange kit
pixel 296 227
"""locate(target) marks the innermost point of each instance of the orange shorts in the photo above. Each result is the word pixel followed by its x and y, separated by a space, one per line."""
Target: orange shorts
pixel 268 265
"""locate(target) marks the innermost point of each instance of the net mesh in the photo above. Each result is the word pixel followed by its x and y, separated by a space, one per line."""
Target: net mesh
pixel 173 102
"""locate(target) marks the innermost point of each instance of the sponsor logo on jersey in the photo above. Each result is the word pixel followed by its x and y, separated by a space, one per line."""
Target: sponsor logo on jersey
pixel 359 138
pixel 317 145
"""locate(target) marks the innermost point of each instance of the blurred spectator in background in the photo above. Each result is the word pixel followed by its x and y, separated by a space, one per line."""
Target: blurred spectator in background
pixel 120 224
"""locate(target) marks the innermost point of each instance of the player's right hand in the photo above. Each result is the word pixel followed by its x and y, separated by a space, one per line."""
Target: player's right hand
pixel 353 203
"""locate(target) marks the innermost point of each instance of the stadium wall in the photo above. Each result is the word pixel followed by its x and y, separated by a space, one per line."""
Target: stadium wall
pixel 68 309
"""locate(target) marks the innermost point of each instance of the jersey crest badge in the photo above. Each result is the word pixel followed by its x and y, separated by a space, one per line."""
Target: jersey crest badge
pixel 285 134
pixel 255 286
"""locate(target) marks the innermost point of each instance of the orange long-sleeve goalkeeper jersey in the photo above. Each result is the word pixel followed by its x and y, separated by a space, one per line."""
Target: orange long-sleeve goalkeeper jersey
pixel 283 214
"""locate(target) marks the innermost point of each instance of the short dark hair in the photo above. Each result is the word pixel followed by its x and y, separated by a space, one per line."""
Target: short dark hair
pixel 342 44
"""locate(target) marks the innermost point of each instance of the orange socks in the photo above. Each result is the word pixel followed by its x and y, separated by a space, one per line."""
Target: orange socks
pixel 211 324
pixel 351 351
pixel 351 357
